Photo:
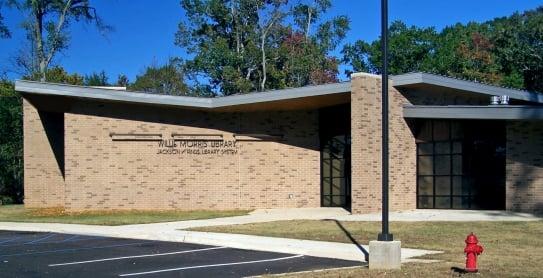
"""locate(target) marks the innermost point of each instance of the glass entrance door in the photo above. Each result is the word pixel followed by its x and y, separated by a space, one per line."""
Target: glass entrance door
pixel 336 172
pixel 335 127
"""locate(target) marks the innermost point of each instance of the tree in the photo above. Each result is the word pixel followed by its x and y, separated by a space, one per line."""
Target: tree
pixel 505 51
pixel 166 79
pixel 122 81
pixel 518 41
pixel 410 49
pixel 11 144
pixel 305 62
pixel 57 74
pixel 96 79
pixel 309 44
pixel 47 27
pixel 238 46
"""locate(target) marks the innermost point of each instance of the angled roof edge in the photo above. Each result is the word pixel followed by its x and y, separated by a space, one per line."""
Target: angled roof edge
pixel 464 85
pixel 488 112
pixel 53 89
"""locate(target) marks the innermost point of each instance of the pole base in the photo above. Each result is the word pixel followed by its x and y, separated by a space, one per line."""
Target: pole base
pixel 385 237
pixel 385 254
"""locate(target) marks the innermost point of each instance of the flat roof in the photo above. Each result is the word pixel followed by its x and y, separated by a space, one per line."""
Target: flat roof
pixel 490 112
pixel 106 94
pixel 411 80
pixel 295 98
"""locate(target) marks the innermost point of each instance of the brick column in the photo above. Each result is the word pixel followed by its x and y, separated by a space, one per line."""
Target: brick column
pixel 43 179
pixel 366 148
pixel 524 166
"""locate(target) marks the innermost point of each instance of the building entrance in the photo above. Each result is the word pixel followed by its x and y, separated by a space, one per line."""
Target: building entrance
pixel 461 164
pixel 335 144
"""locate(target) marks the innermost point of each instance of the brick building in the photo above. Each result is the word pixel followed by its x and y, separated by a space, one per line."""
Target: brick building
pixel 450 148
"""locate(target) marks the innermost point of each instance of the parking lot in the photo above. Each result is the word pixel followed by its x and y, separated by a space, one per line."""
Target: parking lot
pixel 30 254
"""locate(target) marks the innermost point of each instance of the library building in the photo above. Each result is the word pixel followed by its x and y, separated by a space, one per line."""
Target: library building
pixel 454 144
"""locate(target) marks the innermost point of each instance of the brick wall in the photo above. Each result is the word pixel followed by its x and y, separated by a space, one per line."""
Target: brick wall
pixel 366 148
pixel 106 174
pixel 524 166
pixel 43 158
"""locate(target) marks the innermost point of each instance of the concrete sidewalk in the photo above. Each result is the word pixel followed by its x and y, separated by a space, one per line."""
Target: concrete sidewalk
pixel 171 231
pixel 444 215
pixel 268 215
pixel 344 251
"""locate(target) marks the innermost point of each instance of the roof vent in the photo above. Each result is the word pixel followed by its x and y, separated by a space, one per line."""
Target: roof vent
pixel 504 100
pixel 495 100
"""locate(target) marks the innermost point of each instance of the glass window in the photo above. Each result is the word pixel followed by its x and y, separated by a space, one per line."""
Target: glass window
pixel 426 148
pixel 443 202
pixel 325 168
pixel 338 186
pixel 443 185
pixel 443 165
pixel 426 202
pixel 425 165
pixel 457 186
pixel 461 202
pixel 443 148
pixel 457 165
pixel 337 167
pixel 326 186
pixel 426 185
pixel 461 164
pixel 326 201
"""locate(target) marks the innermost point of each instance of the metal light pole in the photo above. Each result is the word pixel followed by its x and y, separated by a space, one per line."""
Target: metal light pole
pixel 384 235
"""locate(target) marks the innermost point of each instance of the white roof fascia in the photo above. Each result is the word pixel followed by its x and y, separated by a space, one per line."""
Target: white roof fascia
pixel 464 85
pixel 185 101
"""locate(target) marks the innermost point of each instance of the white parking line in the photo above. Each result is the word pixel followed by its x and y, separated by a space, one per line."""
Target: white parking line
pixel 70 249
pixel 139 256
pixel 71 238
pixel 209 265
pixel 10 240
pixel 40 239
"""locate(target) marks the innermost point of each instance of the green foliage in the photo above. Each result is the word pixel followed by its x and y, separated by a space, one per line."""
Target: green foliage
pixel 96 79
pixel 505 51
pixel 11 144
pixel 409 49
pixel 57 74
pixel 518 44
pixel 166 79
pixel 240 46
pixel 122 81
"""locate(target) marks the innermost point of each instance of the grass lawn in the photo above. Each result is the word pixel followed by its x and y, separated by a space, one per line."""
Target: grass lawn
pixel 17 213
pixel 512 249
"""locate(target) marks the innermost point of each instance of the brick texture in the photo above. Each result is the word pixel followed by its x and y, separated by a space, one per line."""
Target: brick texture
pixel 366 148
pixel 43 179
pixel 105 174
pixel 524 166
pixel 71 159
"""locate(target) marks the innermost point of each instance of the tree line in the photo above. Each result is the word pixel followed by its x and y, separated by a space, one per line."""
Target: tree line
pixel 241 46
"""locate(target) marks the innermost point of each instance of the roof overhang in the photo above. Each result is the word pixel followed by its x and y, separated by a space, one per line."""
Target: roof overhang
pixel 296 98
pixel 491 112
pixel 428 82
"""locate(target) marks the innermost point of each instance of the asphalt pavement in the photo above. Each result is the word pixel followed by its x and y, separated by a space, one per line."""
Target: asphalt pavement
pixel 33 254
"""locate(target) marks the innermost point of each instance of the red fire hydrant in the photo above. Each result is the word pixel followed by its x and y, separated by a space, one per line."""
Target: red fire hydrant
pixel 472 250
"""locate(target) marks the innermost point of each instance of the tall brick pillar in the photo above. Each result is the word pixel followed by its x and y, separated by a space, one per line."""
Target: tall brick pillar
pixel 366 148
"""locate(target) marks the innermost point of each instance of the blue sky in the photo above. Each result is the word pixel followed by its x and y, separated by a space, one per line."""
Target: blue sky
pixel 144 29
